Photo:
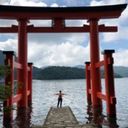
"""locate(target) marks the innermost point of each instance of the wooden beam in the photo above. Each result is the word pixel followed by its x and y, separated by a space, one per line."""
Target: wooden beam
pixel 32 29
pixel 85 12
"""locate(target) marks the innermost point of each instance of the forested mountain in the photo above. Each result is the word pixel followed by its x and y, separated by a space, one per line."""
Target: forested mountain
pixel 123 71
pixel 57 72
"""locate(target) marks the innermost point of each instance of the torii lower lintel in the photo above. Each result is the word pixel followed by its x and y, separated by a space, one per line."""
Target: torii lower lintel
pixel 32 29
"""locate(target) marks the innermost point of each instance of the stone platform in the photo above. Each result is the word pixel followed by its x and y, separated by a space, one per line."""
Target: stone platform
pixel 62 118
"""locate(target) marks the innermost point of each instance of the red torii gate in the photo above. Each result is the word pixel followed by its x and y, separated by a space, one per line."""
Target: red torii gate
pixel 58 15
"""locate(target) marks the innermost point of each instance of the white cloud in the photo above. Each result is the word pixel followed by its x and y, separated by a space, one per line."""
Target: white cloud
pixel 121 23
pixel 4 1
pixel 54 5
pixel 61 54
pixel 7 23
pixel 10 44
pixel 57 38
pixel 120 58
pixel 96 3
pixel 122 34
pixel 106 2
pixel 66 53
pixel 27 3
pixel 45 23
pixel 124 16
pixel 75 22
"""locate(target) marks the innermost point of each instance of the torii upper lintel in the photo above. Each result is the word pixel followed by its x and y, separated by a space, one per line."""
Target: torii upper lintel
pixel 99 12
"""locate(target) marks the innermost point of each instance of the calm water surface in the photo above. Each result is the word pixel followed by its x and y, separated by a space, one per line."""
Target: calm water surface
pixel 44 98
pixel 75 90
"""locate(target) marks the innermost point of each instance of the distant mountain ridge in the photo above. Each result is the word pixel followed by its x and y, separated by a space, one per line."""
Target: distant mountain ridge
pixel 121 70
pixel 57 72
pixel 63 72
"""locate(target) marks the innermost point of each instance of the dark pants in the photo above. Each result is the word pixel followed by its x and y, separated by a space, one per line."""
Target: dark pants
pixel 59 102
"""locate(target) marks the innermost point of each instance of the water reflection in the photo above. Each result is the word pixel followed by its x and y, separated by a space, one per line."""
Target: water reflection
pixel 89 114
pixel 23 119
pixel 112 122
pixel 100 120
pixel 95 119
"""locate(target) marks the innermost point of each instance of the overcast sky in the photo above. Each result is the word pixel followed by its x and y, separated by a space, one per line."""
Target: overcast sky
pixel 68 49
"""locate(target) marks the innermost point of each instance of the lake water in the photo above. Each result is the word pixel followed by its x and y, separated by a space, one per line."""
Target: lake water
pixel 75 90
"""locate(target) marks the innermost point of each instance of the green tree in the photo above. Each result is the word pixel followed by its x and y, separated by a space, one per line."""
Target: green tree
pixel 5 90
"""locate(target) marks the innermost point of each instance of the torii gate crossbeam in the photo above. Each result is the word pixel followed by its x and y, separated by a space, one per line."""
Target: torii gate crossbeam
pixel 32 29
pixel 85 12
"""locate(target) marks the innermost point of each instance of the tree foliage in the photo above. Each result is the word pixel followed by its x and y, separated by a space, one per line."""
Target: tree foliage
pixel 5 91
pixel 56 72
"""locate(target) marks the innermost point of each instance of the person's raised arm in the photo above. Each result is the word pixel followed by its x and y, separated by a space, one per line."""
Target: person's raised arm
pixel 56 94
pixel 64 94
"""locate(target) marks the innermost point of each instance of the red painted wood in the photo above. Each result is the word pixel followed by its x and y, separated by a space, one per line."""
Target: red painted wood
pixel 109 83
pixel 101 96
pixel 95 72
pixel 99 64
pixel 30 84
pixel 17 65
pixel 90 91
pixel 16 98
pixel 32 29
pixel 100 12
pixel 88 84
pixel 22 59
pixel 28 92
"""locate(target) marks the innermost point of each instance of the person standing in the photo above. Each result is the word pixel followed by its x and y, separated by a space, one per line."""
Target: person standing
pixel 60 99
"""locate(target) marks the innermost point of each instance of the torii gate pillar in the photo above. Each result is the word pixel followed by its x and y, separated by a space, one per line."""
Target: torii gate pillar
pixel 95 73
pixel 22 58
